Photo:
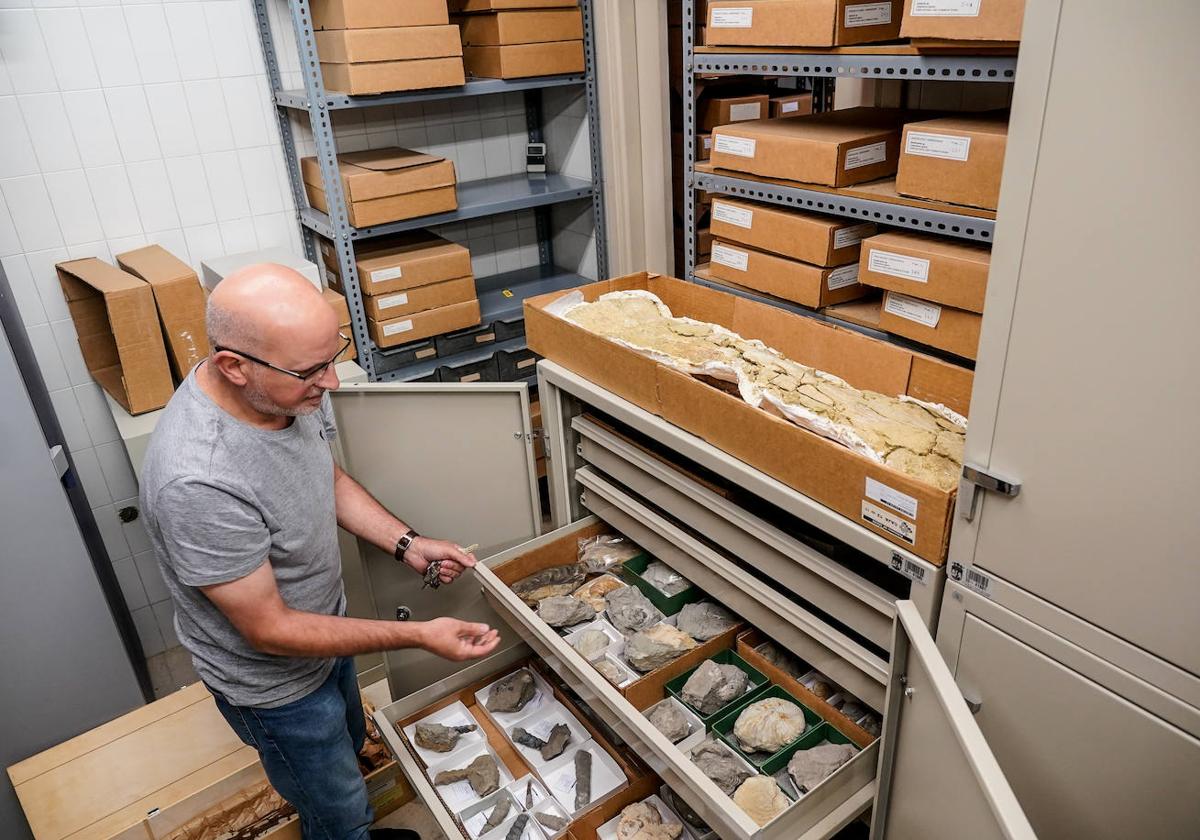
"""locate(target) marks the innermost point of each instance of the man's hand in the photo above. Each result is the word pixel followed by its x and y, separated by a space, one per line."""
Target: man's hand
pixel 424 551
pixel 458 640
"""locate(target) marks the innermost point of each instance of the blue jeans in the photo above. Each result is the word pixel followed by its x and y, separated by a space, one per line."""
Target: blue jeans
pixel 309 748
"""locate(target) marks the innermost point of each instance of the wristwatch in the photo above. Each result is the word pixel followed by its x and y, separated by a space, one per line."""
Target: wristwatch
pixel 402 544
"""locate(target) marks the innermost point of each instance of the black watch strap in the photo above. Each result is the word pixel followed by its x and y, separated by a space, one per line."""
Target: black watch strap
pixel 404 542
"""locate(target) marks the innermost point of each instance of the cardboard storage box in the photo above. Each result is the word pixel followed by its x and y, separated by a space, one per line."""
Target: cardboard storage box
pixel 800 23
pixel 944 271
pixel 799 282
pixel 703 146
pixel 723 110
pixel 179 299
pixel 956 159
pixel 521 27
pixel 397 304
pixel 820 240
pixel 372 14
pixel 360 79
pixel 404 262
pixel 797 105
pixel 394 43
pixel 386 185
pixel 826 471
pixel 339 305
pixel 500 5
pixel 119 332
pixel 963 20
pixel 836 149
pixel 519 61
pixel 944 327
pixel 420 325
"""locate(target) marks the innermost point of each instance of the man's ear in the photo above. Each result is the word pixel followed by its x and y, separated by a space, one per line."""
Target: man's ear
pixel 231 366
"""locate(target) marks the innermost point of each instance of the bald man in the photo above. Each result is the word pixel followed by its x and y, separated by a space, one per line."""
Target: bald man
pixel 242 501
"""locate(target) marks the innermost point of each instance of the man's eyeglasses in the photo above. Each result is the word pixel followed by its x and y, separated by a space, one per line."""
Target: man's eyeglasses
pixel 303 375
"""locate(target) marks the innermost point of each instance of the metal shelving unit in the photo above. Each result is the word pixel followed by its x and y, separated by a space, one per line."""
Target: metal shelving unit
pixel 501 295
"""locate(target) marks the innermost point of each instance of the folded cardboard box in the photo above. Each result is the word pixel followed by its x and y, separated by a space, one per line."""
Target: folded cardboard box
pixel 366 78
pixel 800 23
pixel 337 302
pixel 821 469
pixel 519 61
pixel 398 304
pixel 403 262
pixel 459 6
pixel 372 14
pixel 799 282
pixel 179 299
pixel 521 27
pixel 386 185
pixel 796 105
pixel 820 240
pixel 945 271
pixel 963 20
pixel 723 110
pixel 119 333
pixel 395 331
pixel 955 159
pixel 837 148
pixel 944 327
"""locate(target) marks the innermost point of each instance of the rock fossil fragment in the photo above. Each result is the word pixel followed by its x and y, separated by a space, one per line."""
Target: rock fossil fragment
pixel 720 765
pixel 761 799
pixel 668 719
pixel 527 739
pixel 593 592
pixel 657 646
pixel 556 741
pixel 482 773
pixel 439 738
pixel 564 611
pixel 782 660
pixel 809 767
pixel 552 821
pixel 556 580
pixel 591 643
pixel 705 620
pixel 609 670
pixel 665 579
pixel 711 687
pixel 529 794
pixel 498 815
pixel 583 779
pixel 630 611
pixel 518 828
pixel 641 821
pixel 512 693
pixel 769 725
pixel 599 554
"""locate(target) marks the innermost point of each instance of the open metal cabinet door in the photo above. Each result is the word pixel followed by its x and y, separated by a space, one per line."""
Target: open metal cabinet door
pixel 938 779
pixel 455 462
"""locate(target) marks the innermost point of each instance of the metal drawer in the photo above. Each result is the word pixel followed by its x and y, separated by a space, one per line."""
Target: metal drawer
pixel 824 811
pixel 859 604
pixel 461 341
pixel 485 370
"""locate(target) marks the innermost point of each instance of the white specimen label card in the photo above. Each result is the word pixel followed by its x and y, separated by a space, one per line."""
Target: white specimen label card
pixel 740 146
pixel 788 107
pixel 741 17
pixel 868 14
pixel 847 275
pixel 894 499
pixel 402 327
pixel 845 237
pixel 708 142
pixel 740 216
pixel 899 265
pixel 912 309
pixel 380 275
pixel 945 146
pixel 946 8
pixel 393 300
pixel 866 155
pixel 745 111
pixel 731 257
pixel 889 522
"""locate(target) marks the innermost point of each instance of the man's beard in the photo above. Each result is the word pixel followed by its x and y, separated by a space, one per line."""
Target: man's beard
pixel 259 401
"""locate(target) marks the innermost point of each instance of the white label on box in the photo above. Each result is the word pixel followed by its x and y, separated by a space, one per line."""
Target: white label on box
pixel 891 523
pixel 912 309
pixel 402 327
pixel 380 275
pixel 788 107
pixel 708 143
pixel 898 265
pixel 946 8
pixel 866 155
pixel 897 501
pixel 740 216
pixel 393 300
pixel 845 237
pixel 740 146
pixel 741 17
pixel 847 275
pixel 945 146
pixel 868 14
pixel 731 257
pixel 745 111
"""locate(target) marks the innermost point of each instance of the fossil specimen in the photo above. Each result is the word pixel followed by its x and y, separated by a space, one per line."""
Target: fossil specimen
pixel 591 643
pixel 583 779
pixel 556 580
pixel 769 725
pixel 782 660
pixel 808 767
pixel 641 821
pixel 609 670
pixel 705 620
pixel 656 646
pixel 665 579
pixel 552 821
pixel 668 719
pixel 599 554
pixel 518 828
pixel 720 765
pixel 629 610
pixel 511 693
pixel 761 799
pixel 527 739
pixel 713 686
pixel 498 815
pixel 482 773
pixel 594 590
pixel 564 611
pixel 556 741
pixel 439 738
pixel 529 794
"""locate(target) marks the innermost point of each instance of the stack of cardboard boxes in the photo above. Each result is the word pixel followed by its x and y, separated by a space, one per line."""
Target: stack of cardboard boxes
pixel 800 23
pixel 981 22
pixel 414 286
pixel 369 47
pixel 514 39
pixel 386 185
pixel 956 159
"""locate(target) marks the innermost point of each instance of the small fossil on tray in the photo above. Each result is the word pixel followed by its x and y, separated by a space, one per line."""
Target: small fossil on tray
pixel 668 719
pixel 642 821
pixel 769 725
pixel 512 693
pixel 564 611
pixel 482 773
pixel 591 643
pixel 809 767
pixel 629 610
pixel 498 815
pixel 594 591
pixel 556 741
pixel 665 579
pixel 720 765
pixel 761 799
pixel 527 739
pixel 610 671
pixel 705 620
pixel 529 794
pixel 657 646
pixel 556 580
pixel 439 738
pixel 583 779
pixel 518 828
pixel 552 821
pixel 711 687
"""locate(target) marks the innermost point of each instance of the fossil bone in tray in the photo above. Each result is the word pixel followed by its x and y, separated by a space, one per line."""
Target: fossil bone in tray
pixel 920 439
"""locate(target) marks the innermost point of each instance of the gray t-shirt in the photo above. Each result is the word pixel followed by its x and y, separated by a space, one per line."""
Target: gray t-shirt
pixel 219 497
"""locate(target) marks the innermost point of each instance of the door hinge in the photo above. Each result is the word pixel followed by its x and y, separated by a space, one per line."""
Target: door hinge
pixel 975 479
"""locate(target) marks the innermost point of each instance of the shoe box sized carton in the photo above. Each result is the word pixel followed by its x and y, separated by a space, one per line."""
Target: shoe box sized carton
pixel 419 325
pixel 820 240
pixel 837 148
pixel 513 39
pixel 179 298
pixel 795 105
pixel 800 282
pixel 955 159
pixel 369 61
pixel 377 14
pixel 800 23
pixel 386 185
pixel 963 20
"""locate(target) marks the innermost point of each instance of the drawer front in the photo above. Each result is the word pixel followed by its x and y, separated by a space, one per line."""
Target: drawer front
pixel 485 370
pixel 851 789
pixel 464 340
pixel 828 650
pixel 848 597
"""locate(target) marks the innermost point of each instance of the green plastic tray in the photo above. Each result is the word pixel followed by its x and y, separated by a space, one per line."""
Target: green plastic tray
pixel 631 571
pixel 758 684
pixel 723 726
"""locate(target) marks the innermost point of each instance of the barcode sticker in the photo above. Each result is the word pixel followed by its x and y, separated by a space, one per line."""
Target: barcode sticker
pixel 945 8
pixel 910 568
pixel 897 501
pixel 847 275
pixel 732 257
pixel 911 309
pixel 868 14
pixel 401 327
pixel 740 146
pixel 743 217
pixel 978 582
pixel 847 236
pixel 866 155
pixel 741 17
pixel 745 111
pixel 381 275
pixel 393 300
pixel 898 265
pixel 945 146
pixel 889 522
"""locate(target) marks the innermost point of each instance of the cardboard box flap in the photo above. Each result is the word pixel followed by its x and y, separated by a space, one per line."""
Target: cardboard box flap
pixel 385 160
pixel 991 122
pixel 156 264
pixel 91 273
pixel 960 250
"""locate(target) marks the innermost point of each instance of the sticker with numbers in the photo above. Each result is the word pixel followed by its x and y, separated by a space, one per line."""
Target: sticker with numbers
pixel 866 155
pixel 868 14
pixel 381 275
pixel 740 146
pixel 946 8
pixel 898 265
pixel 393 300
pixel 732 257
pixel 889 522
pixel 911 309
pixel 741 17
pixel 847 236
pixel 402 327
pixel 897 501
pixel 977 581
pixel 847 275
pixel 911 569
pixel 743 217
pixel 944 146
pixel 745 111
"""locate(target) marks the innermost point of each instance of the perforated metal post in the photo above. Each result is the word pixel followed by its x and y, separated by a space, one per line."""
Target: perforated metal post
pixel 534 121
pixel 689 141
pixel 593 111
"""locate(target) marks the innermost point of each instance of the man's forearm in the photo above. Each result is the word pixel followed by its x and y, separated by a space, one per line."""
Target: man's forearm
pixel 298 633
pixel 361 514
